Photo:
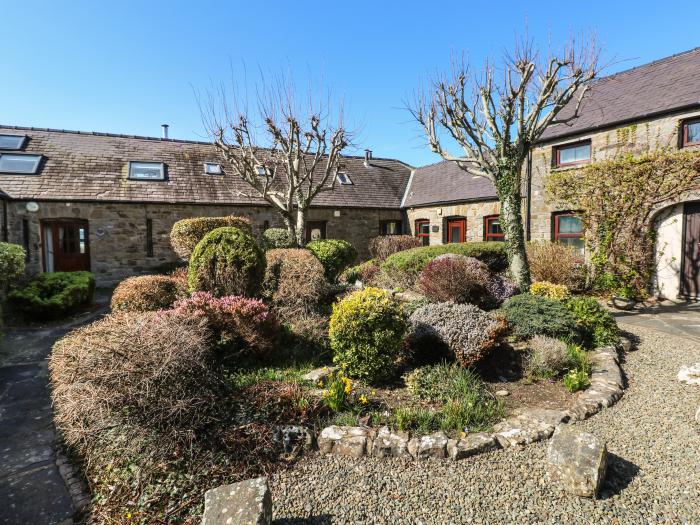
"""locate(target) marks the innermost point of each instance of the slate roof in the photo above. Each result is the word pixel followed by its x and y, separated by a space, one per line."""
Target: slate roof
pixel 668 84
pixel 92 166
pixel 445 182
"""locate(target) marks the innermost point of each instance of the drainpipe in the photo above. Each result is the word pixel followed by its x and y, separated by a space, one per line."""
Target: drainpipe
pixel 5 234
pixel 529 195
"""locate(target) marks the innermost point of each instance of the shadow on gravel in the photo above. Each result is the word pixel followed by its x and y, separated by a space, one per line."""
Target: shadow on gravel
pixel 619 475
pixel 323 519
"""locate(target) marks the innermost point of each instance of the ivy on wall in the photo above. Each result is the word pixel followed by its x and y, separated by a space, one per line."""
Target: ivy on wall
pixel 618 199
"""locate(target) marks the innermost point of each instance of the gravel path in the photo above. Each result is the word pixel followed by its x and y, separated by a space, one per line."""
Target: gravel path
pixel 653 477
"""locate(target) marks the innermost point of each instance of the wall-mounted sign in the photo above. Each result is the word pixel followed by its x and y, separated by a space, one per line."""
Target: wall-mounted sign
pixel 436 228
pixel 100 232
pixel 32 207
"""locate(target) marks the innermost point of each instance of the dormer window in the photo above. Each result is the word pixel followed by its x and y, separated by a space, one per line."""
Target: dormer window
pixel 12 142
pixel 572 154
pixel 260 171
pixel 146 170
pixel 212 168
pixel 343 178
pixel 691 132
pixel 19 163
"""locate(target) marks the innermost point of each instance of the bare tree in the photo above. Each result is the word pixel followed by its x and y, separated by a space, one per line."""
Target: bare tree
pixel 288 155
pixel 496 117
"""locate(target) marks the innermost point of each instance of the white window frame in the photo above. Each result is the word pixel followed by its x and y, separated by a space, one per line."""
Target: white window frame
pixel 22 141
pixel 260 170
pixel 35 169
pixel 344 174
pixel 219 169
pixel 161 165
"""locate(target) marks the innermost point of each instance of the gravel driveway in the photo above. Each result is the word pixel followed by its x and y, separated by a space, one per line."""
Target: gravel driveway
pixel 653 477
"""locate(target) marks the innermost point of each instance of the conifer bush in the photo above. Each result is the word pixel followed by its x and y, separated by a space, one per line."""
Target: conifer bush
pixel 147 293
pixel 335 255
pixel 186 233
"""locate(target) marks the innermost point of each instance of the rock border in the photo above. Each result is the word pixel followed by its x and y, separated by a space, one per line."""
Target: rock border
pixel 528 426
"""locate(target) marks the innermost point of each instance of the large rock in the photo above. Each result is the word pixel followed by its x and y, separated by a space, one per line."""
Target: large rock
pixel 390 444
pixel 690 374
pixel 471 445
pixel 525 428
pixel 245 503
pixel 319 374
pixel 345 441
pixel 429 446
pixel 293 439
pixel 577 461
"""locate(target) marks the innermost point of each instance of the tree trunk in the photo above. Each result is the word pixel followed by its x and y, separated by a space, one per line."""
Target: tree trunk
pixel 512 220
pixel 290 224
pixel 300 226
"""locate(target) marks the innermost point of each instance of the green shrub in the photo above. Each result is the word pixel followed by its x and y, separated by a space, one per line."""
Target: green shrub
pixel 465 400
pixel 530 315
pixel 227 261
pixel 576 380
pixel 547 358
pixel 147 293
pixel 363 272
pixel 550 290
pixel 11 263
pixel 53 295
pixel 597 326
pixel 366 330
pixel 404 267
pixel 335 255
pixel 277 238
pixel 186 233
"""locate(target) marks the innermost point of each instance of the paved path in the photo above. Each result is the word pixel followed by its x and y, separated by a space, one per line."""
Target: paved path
pixel 674 318
pixel 32 491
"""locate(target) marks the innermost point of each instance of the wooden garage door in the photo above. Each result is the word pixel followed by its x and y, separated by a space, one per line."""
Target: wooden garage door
pixel 690 271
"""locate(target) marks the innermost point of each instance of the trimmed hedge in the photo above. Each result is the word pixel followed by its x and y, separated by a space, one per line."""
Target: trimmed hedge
pixel 530 315
pixel 186 233
pixel 227 261
pixel 53 295
pixel 366 330
pixel 147 293
pixel 335 255
pixel 411 262
pixel 277 238
pixel 11 263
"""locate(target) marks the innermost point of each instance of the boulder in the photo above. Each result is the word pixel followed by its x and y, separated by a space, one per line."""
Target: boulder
pixel 429 446
pixel 390 444
pixel 690 374
pixel 345 441
pixel 293 438
pixel 319 374
pixel 245 503
pixel 471 445
pixel 577 461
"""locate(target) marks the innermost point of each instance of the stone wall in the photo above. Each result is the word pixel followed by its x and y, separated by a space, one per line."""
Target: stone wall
pixel 117 231
pixel 474 212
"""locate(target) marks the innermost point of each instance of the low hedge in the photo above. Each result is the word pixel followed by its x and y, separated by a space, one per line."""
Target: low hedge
pixel 411 262
pixel 53 295
pixel 186 233
pixel 146 293
pixel 530 315
pixel 335 255
pixel 277 238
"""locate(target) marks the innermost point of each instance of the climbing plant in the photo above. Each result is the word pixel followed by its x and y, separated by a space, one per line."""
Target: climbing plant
pixel 618 199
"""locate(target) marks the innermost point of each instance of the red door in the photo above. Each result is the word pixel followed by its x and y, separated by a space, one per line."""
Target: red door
pixel 456 230
pixel 66 246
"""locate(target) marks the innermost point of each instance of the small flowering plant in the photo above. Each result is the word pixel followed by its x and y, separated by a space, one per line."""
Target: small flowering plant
pixel 339 393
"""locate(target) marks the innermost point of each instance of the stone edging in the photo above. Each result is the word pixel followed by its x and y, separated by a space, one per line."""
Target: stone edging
pixel 526 427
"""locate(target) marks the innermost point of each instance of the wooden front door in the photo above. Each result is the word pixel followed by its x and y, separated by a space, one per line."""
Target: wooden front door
pixel 456 230
pixel 690 269
pixel 315 230
pixel 66 246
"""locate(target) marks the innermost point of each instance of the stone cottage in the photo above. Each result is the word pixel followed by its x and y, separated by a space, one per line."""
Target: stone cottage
pixel 106 203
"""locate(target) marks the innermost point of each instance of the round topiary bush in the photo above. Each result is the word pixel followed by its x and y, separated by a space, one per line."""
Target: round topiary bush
pixel 294 278
pixel 147 293
pixel 11 263
pixel 598 327
pixel 276 238
pixel 366 330
pixel 227 261
pixel 463 332
pixel 530 315
pixel 335 255
pixel 186 233
pixel 455 278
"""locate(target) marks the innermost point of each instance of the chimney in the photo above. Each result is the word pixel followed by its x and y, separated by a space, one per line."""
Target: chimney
pixel 368 156
pixel 164 131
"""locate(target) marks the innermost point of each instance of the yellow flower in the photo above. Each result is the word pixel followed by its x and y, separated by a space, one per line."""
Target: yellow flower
pixel 362 399
pixel 347 389
pixel 128 515
pixel 320 383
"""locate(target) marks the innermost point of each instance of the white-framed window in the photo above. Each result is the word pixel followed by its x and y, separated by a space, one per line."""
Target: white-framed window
pixel 213 168
pixel 12 142
pixel 19 163
pixel 573 154
pixel 260 171
pixel 139 170
pixel 343 178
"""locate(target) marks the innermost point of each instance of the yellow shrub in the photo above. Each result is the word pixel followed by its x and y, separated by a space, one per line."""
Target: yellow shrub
pixel 550 290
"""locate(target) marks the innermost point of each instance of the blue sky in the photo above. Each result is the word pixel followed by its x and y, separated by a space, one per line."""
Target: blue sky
pixel 128 66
